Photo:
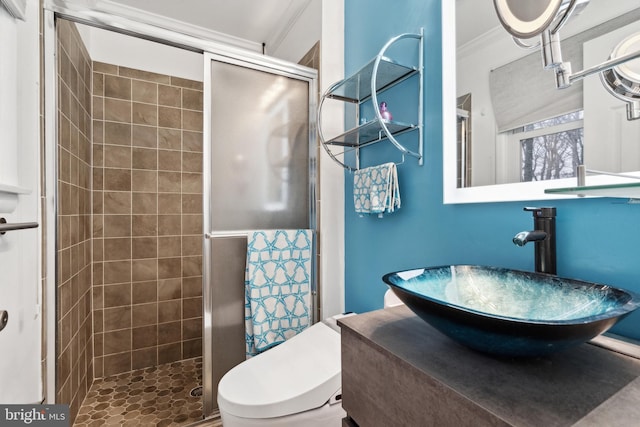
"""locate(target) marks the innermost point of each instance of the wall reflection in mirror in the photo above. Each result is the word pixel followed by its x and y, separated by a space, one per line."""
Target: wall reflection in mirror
pixel 514 125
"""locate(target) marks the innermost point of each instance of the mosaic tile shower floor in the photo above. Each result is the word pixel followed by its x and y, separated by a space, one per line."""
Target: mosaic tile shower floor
pixel 158 396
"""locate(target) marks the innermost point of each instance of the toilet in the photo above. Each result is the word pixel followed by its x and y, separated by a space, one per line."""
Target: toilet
pixel 297 383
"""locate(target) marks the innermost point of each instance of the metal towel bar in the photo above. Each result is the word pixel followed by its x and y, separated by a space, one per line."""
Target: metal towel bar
pixel 4 226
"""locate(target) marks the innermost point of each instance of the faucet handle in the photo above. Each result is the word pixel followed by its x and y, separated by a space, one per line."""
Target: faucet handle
pixel 546 212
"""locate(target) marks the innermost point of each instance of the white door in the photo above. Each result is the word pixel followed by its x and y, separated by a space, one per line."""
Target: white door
pixel 20 257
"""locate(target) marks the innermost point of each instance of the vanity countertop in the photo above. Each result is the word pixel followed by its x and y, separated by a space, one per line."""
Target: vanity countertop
pixel 399 360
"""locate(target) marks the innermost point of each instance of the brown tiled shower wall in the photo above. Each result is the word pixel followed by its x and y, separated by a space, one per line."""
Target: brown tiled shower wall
pixel 147 219
pixel 129 251
pixel 74 346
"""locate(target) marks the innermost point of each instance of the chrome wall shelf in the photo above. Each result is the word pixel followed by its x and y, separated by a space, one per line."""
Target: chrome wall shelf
pixel 369 133
pixel 378 75
pixel 357 88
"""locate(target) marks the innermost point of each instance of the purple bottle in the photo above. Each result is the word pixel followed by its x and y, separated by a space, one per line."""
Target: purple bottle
pixel 384 112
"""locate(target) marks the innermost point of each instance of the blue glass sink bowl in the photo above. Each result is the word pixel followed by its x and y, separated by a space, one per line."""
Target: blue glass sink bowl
pixel 510 313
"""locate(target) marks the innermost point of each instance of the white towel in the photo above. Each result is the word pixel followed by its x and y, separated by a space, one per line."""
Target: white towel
pixel 277 287
pixel 376 190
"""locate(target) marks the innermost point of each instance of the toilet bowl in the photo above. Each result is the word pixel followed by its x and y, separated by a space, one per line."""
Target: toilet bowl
pixel 297 383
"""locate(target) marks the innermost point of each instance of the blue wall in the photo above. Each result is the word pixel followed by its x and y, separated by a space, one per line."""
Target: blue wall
pixel 598 239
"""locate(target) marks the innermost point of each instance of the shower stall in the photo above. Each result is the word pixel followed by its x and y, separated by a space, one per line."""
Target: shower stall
pixel 153 181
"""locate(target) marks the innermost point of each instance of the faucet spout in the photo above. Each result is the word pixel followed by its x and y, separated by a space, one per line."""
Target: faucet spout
pixel 544 236
pixel 524 237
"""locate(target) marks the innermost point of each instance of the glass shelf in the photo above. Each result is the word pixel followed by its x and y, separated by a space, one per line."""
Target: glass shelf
pixel 625 190
pixel 369 132
pixel 358 87
pixel 382 73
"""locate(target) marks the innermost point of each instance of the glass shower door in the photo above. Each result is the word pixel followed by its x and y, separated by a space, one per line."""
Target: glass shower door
pixel 259 149
pixel 259 173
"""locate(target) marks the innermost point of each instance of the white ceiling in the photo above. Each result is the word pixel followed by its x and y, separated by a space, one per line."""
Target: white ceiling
pixel 474 18
pixel 265 21
pixel 260 21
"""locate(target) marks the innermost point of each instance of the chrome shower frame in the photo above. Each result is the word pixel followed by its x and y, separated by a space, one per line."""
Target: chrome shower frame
pixel 265 64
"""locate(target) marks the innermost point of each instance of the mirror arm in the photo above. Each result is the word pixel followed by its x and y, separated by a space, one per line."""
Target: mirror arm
pixel 552 58
pixel 551 50
pixel 607 65
pixel 565 78
pixel 563 75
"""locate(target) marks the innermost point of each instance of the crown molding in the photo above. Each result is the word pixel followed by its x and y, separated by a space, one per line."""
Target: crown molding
pixel 274 41
pixel 110 8
pixel 16 8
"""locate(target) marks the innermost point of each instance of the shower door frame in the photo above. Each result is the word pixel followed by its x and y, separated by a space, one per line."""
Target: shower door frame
pixel 127 21
pixel 281 68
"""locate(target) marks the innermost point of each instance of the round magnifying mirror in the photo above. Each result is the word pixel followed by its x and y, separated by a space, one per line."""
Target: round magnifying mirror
pixel 630 70
pixel 623 81
pixel 525 19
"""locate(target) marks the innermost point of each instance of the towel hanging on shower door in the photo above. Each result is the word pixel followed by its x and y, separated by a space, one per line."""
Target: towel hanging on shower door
pixel 277 287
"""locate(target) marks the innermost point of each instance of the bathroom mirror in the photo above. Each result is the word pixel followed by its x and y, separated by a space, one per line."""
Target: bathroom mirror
pixel 496 150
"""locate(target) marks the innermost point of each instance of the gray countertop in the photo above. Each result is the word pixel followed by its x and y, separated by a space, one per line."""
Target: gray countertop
pixel 583 386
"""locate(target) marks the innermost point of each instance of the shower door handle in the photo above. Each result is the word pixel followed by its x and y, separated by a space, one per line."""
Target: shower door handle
pixel 4 319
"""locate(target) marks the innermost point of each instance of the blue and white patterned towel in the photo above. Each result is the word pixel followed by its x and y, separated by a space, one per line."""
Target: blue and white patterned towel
pixel 277 287
pixel 376 190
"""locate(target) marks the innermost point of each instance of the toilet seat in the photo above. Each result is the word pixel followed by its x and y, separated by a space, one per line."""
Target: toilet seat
pixel 296 376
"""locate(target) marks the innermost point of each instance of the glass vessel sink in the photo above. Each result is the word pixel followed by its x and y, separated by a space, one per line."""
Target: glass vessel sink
pixel 509 312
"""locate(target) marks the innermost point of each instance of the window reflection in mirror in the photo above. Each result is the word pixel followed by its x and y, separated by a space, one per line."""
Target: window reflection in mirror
pixel 550 149
pixel 520 128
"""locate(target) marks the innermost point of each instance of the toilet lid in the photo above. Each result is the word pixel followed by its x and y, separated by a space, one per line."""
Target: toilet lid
pixel 296 376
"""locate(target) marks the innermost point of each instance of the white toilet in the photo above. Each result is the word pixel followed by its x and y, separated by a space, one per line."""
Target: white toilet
pixel 297 383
